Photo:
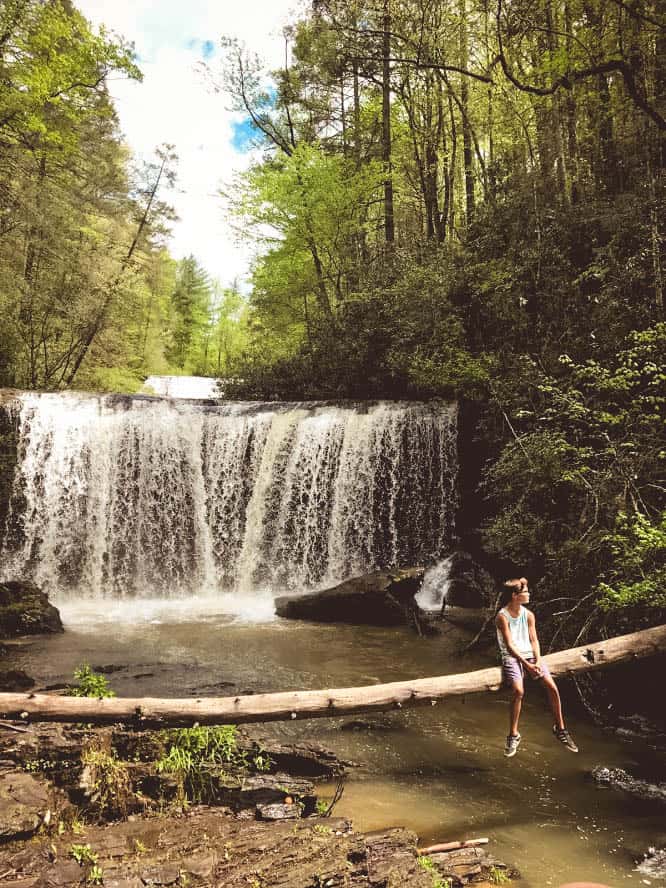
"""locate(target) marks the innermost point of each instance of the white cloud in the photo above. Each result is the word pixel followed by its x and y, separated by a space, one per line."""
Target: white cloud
pixel 174 104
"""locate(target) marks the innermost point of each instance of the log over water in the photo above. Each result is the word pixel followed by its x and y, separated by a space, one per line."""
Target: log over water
pixel 283 706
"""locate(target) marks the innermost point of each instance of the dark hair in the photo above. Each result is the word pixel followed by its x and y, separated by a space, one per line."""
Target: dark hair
pixel 509 588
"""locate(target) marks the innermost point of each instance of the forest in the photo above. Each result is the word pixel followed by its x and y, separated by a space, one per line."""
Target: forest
pixel 451 199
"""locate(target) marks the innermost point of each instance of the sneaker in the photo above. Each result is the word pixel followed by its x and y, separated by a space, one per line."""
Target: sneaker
pixel 512 744
pixel 565 738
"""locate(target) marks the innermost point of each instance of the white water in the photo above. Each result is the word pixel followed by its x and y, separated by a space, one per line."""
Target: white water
pixel 201 387
pixel 436 581
pixel 118 497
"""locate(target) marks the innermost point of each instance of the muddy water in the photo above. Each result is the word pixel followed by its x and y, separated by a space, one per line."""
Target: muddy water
pixel 439 770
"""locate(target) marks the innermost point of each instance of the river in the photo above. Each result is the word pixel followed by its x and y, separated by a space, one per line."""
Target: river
pixel 438 770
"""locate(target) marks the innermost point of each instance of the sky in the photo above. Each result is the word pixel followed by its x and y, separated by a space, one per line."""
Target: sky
pixel 174 104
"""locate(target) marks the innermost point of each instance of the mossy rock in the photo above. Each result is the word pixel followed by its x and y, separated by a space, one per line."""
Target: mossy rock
pixel 26 610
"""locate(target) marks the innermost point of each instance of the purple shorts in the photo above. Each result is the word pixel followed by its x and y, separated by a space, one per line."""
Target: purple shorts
pixel 513 671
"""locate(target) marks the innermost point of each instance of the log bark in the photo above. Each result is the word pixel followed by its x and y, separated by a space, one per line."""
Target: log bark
pixel 286 705
pixel 452 846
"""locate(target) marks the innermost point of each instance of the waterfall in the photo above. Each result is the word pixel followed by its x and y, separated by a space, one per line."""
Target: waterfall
pixel 431 597
pixel 118 496
pixel 201 387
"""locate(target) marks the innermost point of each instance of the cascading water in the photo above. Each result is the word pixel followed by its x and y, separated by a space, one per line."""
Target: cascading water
pixel 201 387
pixel 123 497
pixel 431 597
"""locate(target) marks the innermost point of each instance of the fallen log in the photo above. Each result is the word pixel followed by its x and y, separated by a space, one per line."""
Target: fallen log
pixel 285 705
pixel 452 846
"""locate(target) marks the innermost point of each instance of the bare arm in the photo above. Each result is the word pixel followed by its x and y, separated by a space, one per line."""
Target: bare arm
pixel 534 639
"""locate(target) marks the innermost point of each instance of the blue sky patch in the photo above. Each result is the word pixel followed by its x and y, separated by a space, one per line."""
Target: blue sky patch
pixel 243 135
pixel 207 49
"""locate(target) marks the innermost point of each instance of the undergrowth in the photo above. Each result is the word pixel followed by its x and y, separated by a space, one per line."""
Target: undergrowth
pixel 199 755
pixel 90 684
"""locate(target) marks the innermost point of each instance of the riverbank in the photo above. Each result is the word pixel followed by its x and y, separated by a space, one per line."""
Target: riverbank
pixel 121 808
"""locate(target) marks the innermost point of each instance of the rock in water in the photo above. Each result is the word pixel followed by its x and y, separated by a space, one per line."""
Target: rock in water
pixel 469 586
pixel 381 598
pixel 616 778
pixel 26 610
pixel 653 864
pixel 15 680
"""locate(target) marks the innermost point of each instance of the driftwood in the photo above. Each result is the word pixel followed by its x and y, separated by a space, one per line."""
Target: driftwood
pixel 452 846
pixel 285 705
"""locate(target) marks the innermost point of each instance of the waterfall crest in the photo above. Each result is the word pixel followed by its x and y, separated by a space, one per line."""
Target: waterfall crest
pixel 137 497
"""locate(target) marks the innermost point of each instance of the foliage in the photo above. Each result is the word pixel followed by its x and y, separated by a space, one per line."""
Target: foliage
pixel 582 476
pixel 83 854
pixel 427 863
pixel 498 876
pixel 638 574
pixel 107 779
pixel 200 754
pixel 95 875
pixel 90 684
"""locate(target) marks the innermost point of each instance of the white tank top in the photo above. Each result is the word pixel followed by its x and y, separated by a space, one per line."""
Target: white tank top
pixel 520 635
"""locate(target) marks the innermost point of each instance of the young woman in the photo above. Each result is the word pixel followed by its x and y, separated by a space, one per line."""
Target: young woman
pixel 521 653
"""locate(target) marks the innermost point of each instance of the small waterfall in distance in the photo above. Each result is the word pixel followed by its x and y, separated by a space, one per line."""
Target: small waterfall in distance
pixel 122 497
pixel 182 387
pixel 431 597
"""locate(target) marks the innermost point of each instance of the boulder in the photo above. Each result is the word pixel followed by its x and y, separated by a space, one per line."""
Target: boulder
pixel 26 610
pixel 464 866
pixel 24 802
pixel 301 759
pixel 381 598
pixel 470 586
pixel 642 790
pixel 15 680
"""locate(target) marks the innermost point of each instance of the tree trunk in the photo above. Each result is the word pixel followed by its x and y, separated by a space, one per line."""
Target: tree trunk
pixel 468 155
pixel 288 705
pixel 99 320
pixel 389 219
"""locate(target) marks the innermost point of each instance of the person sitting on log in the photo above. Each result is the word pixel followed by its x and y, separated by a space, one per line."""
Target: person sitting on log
pixel 521 653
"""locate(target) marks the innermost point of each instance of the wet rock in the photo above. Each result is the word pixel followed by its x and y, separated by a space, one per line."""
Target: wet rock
pixel 213 848
pixel 378 723
pixel 24 802
pixel 161 875
pixel 199 867
pixel 108 669
pixel 464 866
pixel 278 812
pixel 466 617
pixel 639 728
pixel 298 759
pixel 617 778
pixel 15 680
pixel 26 610
pixel 64 872
pixel 391 859
pixel 382 598
pixel 653 864
pixel 120 882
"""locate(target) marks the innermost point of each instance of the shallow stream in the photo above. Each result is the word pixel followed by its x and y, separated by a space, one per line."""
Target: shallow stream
pixel 438 770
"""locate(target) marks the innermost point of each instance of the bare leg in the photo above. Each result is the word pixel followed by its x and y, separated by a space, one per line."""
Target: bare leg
pixel 554 700
pixel 516 705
